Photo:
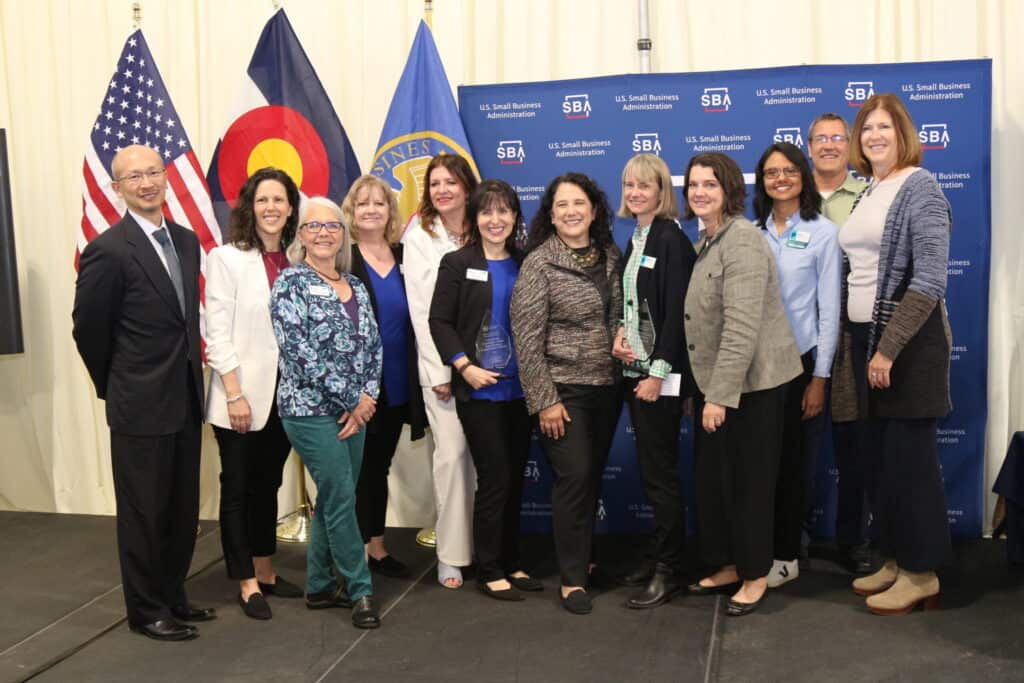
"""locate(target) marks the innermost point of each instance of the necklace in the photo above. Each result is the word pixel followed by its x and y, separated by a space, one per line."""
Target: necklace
pixel 876 181
pixel 336 278
pixel 271 260
pixel 585 260
pixel 455 238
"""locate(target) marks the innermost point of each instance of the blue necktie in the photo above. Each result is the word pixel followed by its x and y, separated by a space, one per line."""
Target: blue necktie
pixel 173 267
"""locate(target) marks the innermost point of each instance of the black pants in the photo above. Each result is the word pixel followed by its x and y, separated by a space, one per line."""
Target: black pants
pixel 736 470
pixel 656 429
pixel 251 466
pixel 578 461
pixel 156 485
pixel 382 435
pixel 498 434
pixel 851 442
pixel 801 440
pixel 905 487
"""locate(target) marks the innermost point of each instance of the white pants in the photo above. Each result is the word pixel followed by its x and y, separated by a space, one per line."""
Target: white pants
pixel 454 482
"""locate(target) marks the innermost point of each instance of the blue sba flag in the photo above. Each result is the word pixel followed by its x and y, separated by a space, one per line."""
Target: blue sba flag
pixel 422 122
pixel 284 119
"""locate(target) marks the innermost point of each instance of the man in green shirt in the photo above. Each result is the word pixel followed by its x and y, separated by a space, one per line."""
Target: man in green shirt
pixel 828 142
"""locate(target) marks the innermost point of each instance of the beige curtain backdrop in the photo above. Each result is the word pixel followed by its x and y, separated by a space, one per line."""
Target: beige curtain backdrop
pixel 56 57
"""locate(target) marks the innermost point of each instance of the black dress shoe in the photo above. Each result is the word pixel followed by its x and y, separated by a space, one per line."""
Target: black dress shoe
pixel 739 609
pixel 166 629
pixel 856 559
pixel 659 590
pixel 364 614
pixel 326 599
pixel 526 583
pixel 255 607
pixel 506 594
pixel 578 602
pixel 388 566
pixel 639 576
pixel 698 589
pixel 192 613
pixel 281 588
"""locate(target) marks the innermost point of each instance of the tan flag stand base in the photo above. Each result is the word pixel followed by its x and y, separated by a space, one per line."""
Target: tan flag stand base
pixel 294 527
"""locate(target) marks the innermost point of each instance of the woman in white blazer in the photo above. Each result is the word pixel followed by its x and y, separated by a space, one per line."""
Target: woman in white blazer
pixel 440 226
pixel 242 351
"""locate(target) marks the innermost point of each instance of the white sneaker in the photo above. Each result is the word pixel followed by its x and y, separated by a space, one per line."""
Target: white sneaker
pixel 783 572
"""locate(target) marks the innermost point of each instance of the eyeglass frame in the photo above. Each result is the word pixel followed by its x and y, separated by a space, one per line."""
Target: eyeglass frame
pixel 788 171
pixel 136 178
pixel 338 225
pixel 821 139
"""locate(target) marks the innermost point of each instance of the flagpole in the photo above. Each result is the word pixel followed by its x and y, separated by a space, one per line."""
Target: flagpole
pixel 136 15
pixel 428 13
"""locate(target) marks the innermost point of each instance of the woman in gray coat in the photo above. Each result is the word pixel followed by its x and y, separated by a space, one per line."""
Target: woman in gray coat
pixel 743 353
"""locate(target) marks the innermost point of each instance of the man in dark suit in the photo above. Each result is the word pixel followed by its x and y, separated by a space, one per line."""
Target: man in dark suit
pixel 136 326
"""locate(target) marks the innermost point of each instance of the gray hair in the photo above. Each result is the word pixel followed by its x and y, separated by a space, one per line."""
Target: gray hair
pixel 827 116
pixel 296 252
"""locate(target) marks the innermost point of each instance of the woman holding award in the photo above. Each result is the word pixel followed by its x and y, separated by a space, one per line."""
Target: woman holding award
pixel 469 321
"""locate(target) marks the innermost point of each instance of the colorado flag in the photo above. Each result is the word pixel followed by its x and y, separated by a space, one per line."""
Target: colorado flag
pixel 283 118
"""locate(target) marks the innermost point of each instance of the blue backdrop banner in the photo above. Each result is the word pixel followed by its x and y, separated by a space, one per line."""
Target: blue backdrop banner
pixel 528 133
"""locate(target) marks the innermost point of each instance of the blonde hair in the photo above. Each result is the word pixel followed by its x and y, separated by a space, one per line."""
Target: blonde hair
pixel 367 183
pixel 296 252
pixel 648 167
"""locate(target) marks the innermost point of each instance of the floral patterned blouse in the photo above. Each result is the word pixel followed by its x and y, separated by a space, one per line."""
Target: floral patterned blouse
pixel 326 360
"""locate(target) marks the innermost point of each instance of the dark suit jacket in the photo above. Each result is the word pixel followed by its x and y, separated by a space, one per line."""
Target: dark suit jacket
pixel 663 287
pixel 458 308
pixel 141 352
pixel 417 415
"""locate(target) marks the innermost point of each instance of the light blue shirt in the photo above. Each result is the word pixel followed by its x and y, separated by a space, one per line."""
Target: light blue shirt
pixel 810 269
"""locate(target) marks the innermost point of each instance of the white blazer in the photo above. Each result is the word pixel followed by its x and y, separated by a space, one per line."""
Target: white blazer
pixel 239 334
pixel 421 259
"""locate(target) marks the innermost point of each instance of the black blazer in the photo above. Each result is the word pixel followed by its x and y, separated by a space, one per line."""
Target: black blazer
pixel 664 288
pixel 416 417
pixel 458 308
pixel 141 352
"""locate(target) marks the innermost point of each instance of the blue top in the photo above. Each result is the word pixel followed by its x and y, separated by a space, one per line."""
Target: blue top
pixel 327 360
pixel 503 274
pixel 393 318
pixel 810 269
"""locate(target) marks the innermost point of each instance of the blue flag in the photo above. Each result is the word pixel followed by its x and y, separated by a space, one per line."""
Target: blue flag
pixel 422 122
pixel 284 119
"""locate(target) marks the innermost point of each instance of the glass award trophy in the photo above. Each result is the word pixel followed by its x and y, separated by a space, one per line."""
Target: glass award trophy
pixel 493 347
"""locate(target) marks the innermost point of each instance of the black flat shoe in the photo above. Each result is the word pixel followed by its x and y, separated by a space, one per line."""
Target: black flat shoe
pixel 660 589
pixel 192 613
pixel 739 609
pixel 282 588
pixel 578 602
pixel 506 594
pixel 364 614
pixel 255 607
pixel 388 566
pixel 526 583
pixel 166 629
pixel 327 599
pixel 698 589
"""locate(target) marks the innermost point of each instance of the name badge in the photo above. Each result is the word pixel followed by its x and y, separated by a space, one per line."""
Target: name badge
pixel 319 290
pixel 476 274
pixel 798 239
pixel 647 261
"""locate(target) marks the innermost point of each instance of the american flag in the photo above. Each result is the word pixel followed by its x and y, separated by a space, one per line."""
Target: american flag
pixel 137 109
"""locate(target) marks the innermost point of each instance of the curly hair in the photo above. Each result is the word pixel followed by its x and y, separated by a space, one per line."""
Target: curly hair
pixel 810 200
pixel 494 193
pixel 541 227
pixel 367 183
pixel 242 224
pixel 729 176
pixel 460 170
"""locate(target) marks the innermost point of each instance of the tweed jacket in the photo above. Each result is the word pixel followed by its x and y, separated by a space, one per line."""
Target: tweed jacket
pixel 738 336
pixel 909 324
pixel 560 327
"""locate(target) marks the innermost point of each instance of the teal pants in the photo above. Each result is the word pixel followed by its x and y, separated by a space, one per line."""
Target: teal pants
pixel 334 534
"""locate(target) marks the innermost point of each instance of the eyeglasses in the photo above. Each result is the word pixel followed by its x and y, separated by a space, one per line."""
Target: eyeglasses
pixel 136 178
pixel 789 172
pixel 822 139
pixel 314 227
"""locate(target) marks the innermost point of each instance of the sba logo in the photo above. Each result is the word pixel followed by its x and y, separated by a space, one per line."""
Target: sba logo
pixel 933 136
pixel 531 472
pixel 715 100
pixel 858 91
pixel 647 143
pixel 601 514
pixel 791 135
pixel 511 152
pixel 576 106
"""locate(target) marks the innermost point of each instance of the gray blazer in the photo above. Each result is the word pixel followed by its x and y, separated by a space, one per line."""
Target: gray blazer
pixel 738 337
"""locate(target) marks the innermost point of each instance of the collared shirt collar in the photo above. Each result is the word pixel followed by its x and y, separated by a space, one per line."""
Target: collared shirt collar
pixel 147 226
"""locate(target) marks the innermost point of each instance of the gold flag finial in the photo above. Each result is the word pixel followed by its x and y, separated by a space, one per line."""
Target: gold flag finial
pixel 137 15
pixel 428 12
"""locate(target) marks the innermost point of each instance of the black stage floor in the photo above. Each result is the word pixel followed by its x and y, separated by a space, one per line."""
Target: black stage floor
pixel 61 619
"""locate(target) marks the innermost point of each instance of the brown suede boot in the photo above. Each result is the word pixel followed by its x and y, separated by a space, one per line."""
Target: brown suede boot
pixel 910 590
pixel 882 580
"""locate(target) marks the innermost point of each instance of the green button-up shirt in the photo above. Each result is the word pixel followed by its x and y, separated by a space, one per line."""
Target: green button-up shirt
pixel 838 205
